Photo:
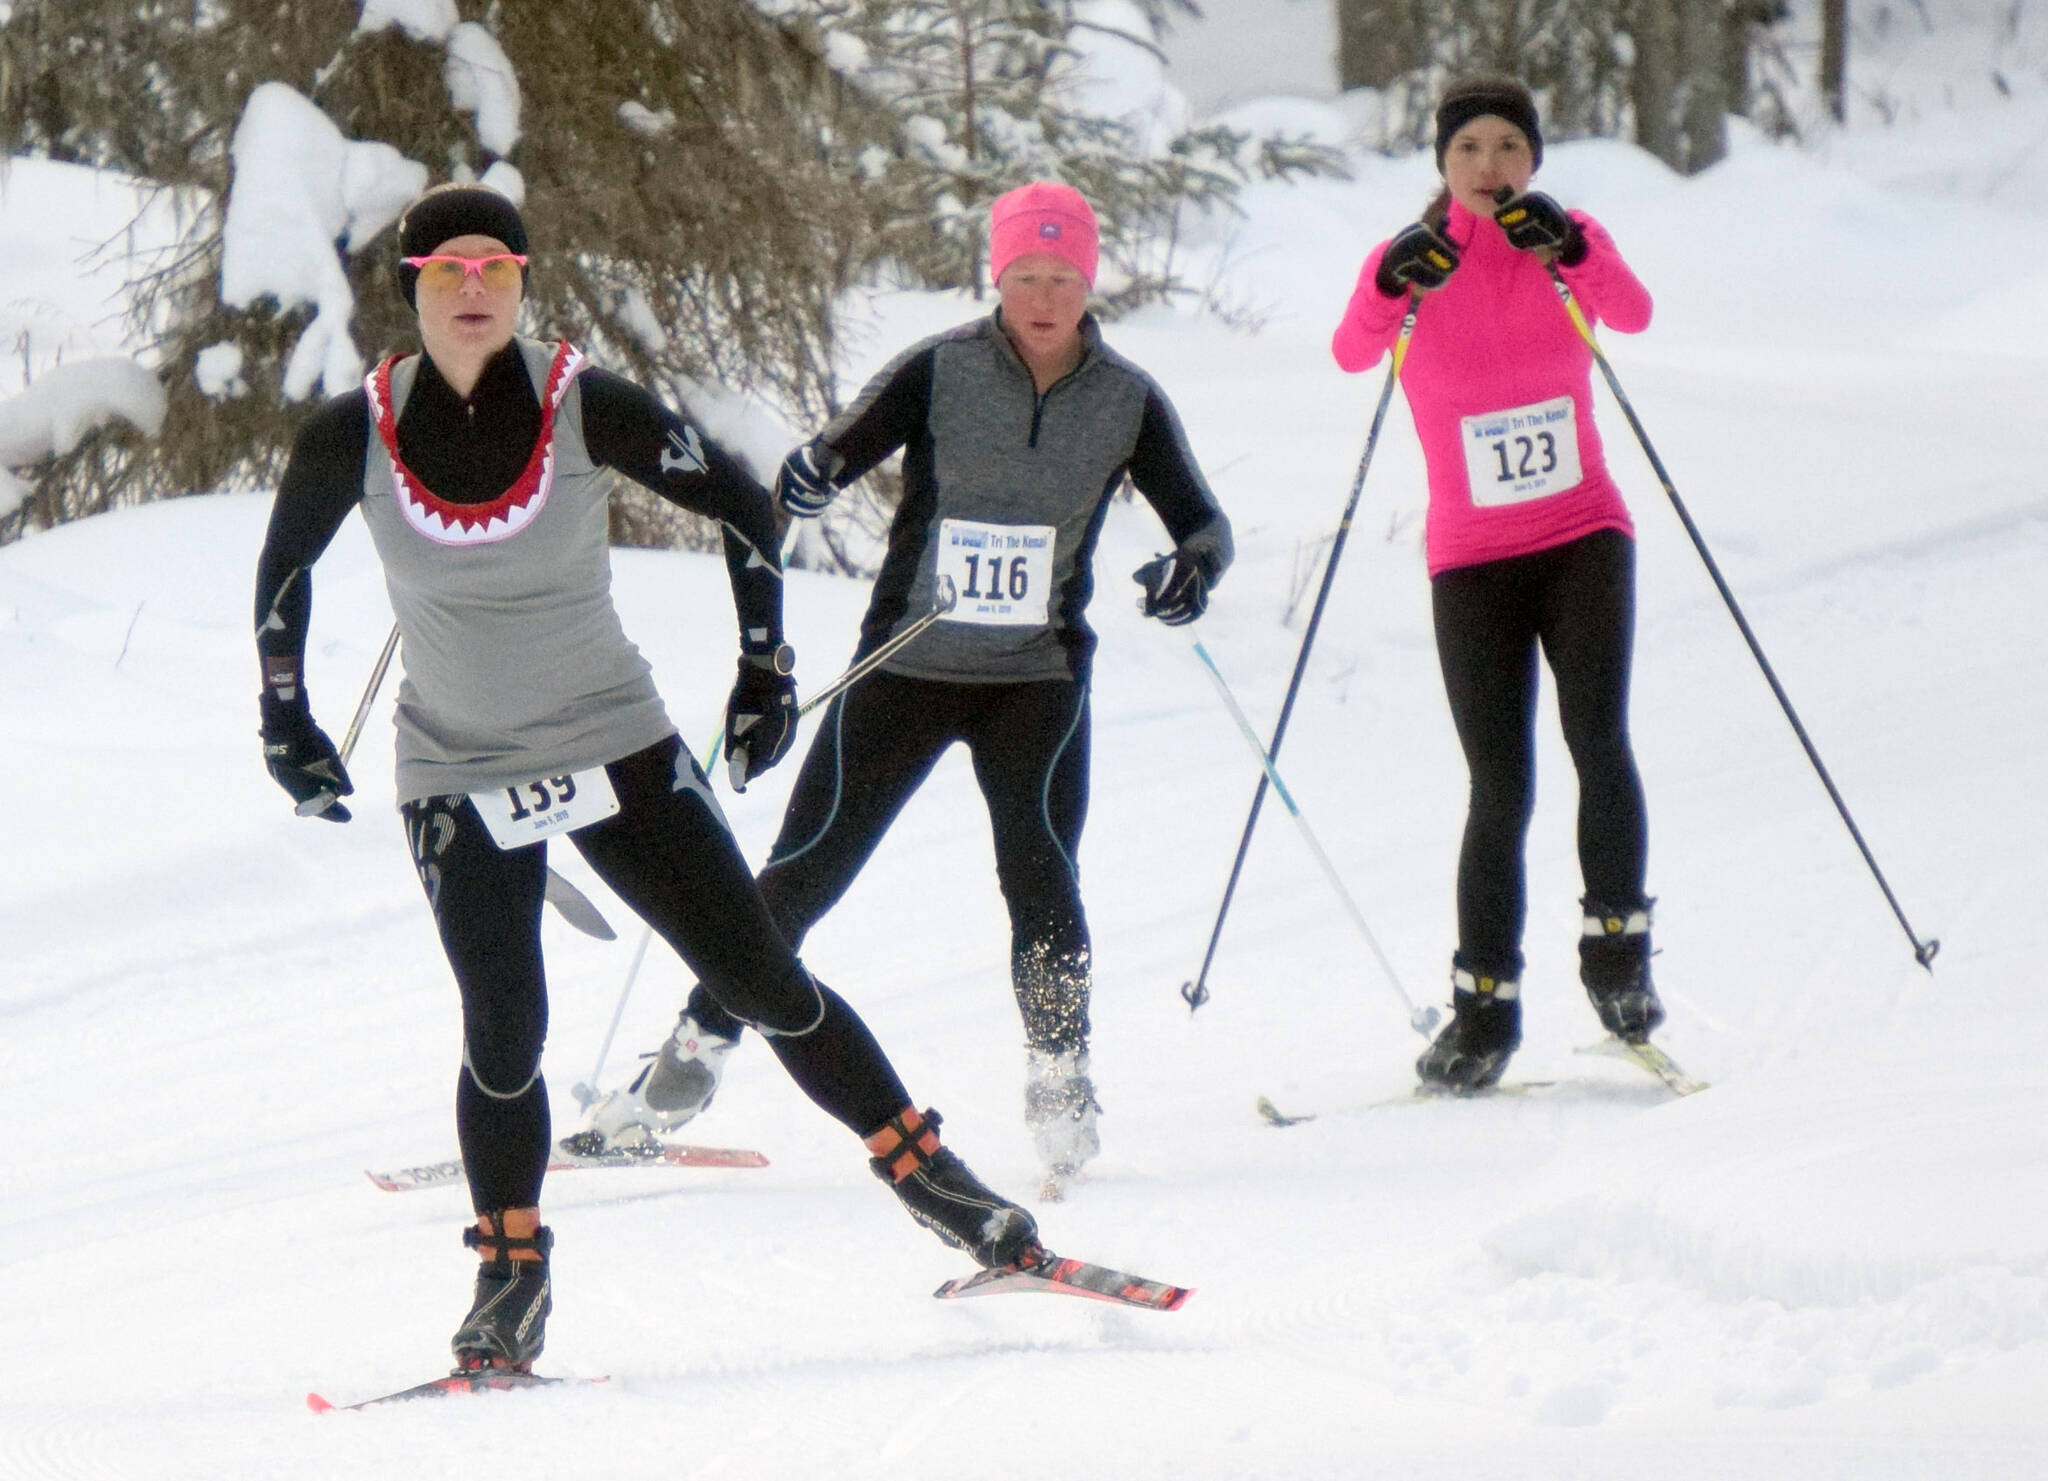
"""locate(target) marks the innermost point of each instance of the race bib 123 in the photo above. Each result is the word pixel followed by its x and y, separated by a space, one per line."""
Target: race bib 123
pixel 1524 453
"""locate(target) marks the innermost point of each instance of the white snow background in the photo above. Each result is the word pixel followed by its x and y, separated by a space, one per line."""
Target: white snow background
pixel 1834 1263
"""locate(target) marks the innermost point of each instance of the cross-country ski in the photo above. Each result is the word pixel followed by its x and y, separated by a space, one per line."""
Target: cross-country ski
pixel 448 1386
pixel 1055 1275
pixel 1650 1058
pixel 449 1171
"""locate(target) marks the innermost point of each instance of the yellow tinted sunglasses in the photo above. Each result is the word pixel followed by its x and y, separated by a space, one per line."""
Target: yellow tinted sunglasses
pixel 446 270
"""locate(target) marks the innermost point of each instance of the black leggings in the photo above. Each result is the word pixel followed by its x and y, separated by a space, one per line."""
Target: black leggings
pixel 1578 601
pixel 1029 744
pixel 668 854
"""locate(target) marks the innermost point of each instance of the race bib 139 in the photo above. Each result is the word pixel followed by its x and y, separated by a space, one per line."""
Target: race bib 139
pixel 545 806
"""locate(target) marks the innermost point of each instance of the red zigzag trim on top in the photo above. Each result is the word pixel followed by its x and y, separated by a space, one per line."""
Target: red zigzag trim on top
pixel 446 523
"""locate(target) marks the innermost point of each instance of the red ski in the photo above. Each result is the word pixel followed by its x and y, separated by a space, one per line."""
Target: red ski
pixel 439 1174
pixel 1056 1275
pixel 473 1381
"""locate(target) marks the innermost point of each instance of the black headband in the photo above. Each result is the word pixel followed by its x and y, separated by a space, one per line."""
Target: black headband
pixel 1465 104
pixel 450 211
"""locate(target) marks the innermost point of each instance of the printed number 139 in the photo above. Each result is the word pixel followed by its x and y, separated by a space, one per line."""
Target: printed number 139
pixel 564 789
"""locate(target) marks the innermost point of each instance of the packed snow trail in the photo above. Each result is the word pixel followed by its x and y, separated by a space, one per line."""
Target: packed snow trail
pixel 1831 1264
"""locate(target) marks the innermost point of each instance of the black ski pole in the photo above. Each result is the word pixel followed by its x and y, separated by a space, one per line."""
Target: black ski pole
pixel 1196 992
pixel 1422 1020
pixel 1923 951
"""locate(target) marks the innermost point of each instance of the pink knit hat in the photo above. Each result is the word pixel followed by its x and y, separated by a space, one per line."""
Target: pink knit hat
pixel 1042 217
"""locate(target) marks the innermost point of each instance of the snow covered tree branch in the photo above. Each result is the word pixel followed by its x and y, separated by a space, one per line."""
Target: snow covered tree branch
pixel 686 166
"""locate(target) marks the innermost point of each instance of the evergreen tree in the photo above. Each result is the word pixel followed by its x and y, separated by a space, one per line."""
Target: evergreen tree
pixel 991 94
pixel 703 180
pixel 1661 72
pixel 686 168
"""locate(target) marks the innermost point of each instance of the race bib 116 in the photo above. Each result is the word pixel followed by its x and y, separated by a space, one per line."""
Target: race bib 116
pixel 1003 573
pixel 1523 453
pixel 545 806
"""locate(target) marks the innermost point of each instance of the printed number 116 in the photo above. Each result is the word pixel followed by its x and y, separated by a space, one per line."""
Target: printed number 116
pixel 1019 580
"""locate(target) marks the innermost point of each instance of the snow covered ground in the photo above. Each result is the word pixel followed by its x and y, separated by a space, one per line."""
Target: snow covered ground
pixel 1834 1263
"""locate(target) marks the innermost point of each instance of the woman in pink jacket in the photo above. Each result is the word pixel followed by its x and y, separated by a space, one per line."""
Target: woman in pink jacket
pixel 1529 546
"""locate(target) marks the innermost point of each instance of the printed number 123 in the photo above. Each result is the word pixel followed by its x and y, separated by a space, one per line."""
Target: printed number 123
pixel 1528 450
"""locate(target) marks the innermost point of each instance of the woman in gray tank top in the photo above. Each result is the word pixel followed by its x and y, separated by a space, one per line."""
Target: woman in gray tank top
pixel 480 466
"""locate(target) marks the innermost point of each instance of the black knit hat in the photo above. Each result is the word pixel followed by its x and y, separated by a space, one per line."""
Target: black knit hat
pixel 450 211
pixel 1469 98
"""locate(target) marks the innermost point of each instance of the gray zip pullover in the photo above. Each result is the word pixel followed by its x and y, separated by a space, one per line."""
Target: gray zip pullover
pixel 1005 490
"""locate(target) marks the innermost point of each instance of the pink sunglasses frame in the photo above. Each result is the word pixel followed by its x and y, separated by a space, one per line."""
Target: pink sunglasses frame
pixel 472 267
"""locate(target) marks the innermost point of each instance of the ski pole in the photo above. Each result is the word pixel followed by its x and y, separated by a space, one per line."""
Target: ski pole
pixel 355 726
pixel 319 803
pixel 587 1092
pixel 572 903
pixel 944 598
pixel 1196 992
pixel 1923 951
pixel 1422 1020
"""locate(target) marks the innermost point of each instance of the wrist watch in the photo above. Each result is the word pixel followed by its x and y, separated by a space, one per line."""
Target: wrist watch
pixel 779 660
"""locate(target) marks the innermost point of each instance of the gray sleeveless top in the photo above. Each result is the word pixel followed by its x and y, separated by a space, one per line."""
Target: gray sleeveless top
pixel 516 666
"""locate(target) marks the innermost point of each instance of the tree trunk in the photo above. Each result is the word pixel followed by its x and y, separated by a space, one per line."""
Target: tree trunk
pixel 1834 57
pixel 1743 19
pixel 1655 79
pixel 1703 101
pixel 1377 41
pixel 1679 88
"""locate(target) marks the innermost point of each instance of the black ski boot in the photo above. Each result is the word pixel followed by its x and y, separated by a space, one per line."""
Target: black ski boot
pixel 1485 1029
pixel 1614 963
pixel 507 1323
pixel 943 1194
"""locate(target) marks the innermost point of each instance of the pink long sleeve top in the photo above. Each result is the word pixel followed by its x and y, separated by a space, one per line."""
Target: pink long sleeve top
pixel 1500 386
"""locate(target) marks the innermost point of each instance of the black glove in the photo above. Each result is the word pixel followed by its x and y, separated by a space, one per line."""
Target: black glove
pixel 1176 587
pixel 804 486
pixel 1534 221
pixel 1417 257
pixel 760 718
pixel 303 760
